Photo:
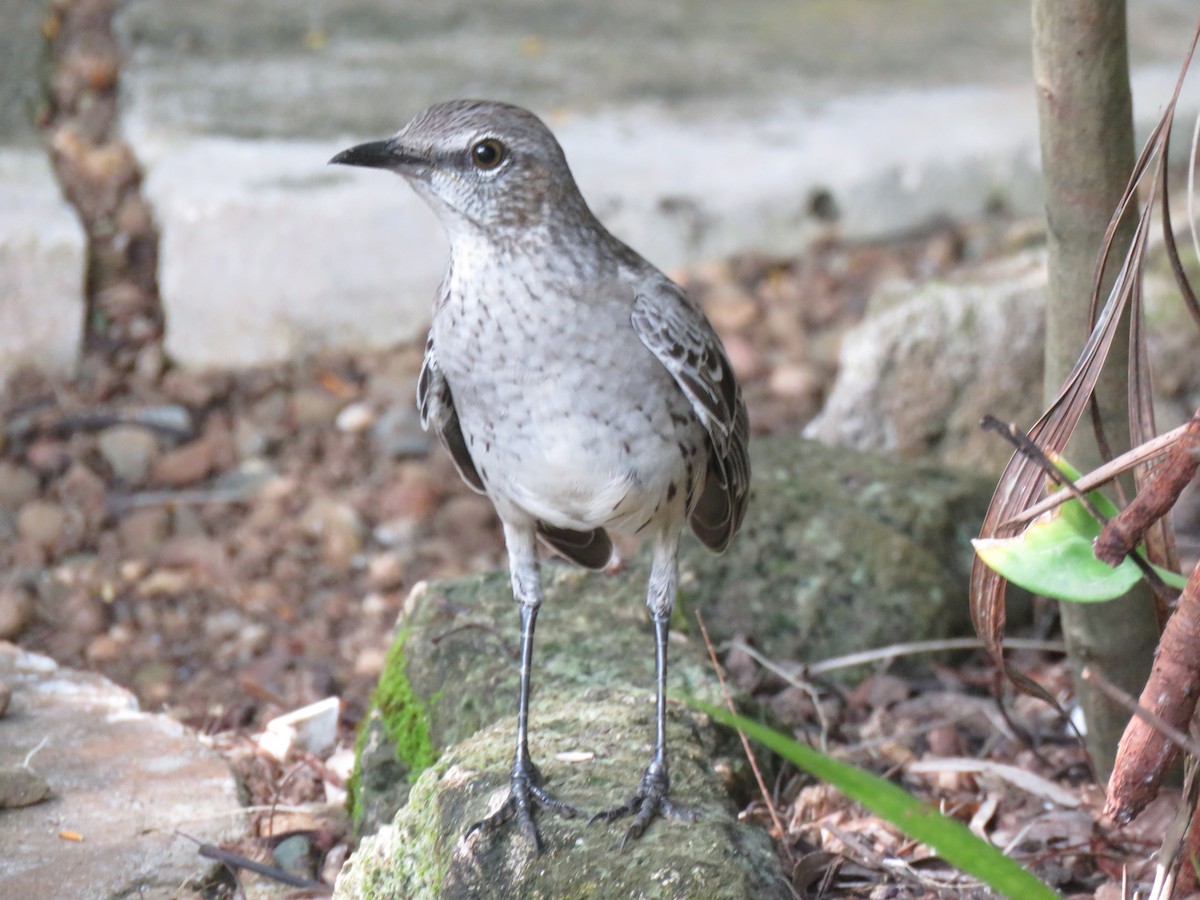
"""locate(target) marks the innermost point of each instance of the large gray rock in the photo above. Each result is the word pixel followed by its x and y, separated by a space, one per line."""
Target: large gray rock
pixel 918 373
pixel 916 376
pixel 840 551
pixel 452 670
pixel 126 784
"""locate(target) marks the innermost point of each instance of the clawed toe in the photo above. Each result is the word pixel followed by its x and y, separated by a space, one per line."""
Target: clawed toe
pixel 649 802
pixel 524 794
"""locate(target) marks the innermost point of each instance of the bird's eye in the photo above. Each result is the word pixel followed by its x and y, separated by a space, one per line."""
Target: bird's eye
pixel 488 153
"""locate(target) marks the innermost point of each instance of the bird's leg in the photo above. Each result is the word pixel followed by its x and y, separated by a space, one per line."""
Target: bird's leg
pixel 651 798
pixel 525 790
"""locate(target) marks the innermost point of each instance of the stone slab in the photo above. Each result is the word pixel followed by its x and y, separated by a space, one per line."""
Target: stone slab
pixel 126 786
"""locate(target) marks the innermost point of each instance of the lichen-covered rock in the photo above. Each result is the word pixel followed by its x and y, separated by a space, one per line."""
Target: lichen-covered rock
pixel 591 751
pixel 453 669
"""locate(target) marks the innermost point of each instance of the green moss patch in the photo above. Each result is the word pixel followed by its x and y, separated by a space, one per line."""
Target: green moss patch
pixel 405 719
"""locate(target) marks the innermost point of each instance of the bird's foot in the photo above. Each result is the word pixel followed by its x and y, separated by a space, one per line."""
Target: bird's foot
pixel 524 793
pixel 651 800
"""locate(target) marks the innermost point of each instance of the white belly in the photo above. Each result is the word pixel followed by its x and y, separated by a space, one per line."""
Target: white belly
pixel 576 473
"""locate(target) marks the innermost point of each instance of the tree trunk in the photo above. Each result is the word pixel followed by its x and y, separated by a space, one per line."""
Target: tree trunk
pixel 123 322
pixel 1081 69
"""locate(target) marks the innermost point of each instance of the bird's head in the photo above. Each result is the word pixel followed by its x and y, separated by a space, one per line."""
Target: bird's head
pixel 483 166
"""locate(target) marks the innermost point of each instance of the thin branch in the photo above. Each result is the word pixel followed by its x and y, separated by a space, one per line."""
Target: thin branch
pixel 762 785
pixel 1104 474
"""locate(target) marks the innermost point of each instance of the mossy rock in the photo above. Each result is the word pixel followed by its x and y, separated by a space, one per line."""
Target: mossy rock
pixel 841 551
pixel 454 666
pixel 424 854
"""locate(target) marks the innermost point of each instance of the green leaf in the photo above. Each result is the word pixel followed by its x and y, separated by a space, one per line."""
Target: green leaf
pixel 1053 556
pixel 953 841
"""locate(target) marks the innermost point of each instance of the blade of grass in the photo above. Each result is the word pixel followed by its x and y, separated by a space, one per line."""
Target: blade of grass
pixel 951 839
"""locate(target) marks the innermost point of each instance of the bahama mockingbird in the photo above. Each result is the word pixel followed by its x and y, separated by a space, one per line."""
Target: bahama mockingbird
pixel 573 383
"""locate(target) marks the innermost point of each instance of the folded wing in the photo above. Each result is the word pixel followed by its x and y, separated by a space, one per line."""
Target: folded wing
pixel 675 330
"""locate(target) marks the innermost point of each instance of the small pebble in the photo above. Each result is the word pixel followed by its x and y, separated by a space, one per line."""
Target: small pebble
pixel 165 583
pixel 385 570
pixel 294 855
pixel 16 612
pixel 196 389
pixel 17 485
pixel 223 624
pixel 339 528
pixel 398 433
pixel 250 641
pixel 373 604
pixel 152 681
pixel 129 450
pixel 82 493
pixel 369 662
pixel 794 381
pixel 399 532
pixel 42 522
pixel 260 597
pixel 333 862
pixel 48 455
pixel 413 496
pixel 355 418
pixel 249 440
pixel 104 648
pixel 730 309
pixel 250 477
pixel 314 407
pixel 167 417
pixel 744 357
pixel 270 410
pixel 185 465
pixel 149 363
pixel 186 522
pixel 20 786
pixel 142 531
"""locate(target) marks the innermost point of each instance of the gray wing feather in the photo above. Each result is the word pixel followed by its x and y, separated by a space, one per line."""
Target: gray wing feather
pixel 436 405
pixel 675 330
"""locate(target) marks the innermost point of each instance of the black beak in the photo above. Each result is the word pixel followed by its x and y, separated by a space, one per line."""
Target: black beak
pixel 376 155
